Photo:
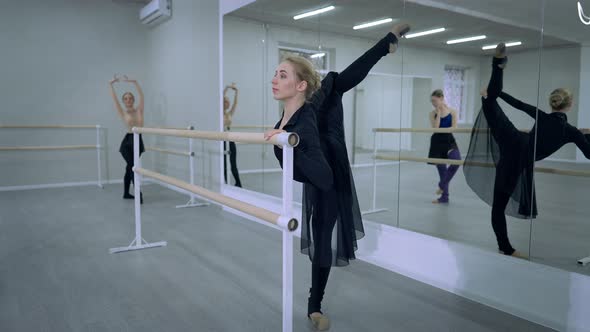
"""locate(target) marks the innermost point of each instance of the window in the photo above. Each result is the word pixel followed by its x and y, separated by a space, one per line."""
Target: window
pixel 455 90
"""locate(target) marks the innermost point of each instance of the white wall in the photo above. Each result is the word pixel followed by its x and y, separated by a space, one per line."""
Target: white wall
pixel 57 58
pixel 184 86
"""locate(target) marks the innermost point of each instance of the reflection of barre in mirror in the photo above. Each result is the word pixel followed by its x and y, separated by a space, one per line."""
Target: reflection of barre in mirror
pixel 555 171
pixel 377 156
pixel 97 146
pixel 284 221
pixel 192 202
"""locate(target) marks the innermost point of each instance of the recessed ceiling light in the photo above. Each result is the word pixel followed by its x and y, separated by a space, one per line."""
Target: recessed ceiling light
pixel 317 55
pixel 490 47
pixel 466 39
pixel 424 33
pixel 372 24
pixel 313 12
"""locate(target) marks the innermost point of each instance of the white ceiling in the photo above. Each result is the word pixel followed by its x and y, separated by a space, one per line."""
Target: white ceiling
pixel 499 20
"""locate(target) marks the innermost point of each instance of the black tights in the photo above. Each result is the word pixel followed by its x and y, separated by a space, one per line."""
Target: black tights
pixel 319 279
pixel 505 135
pixel 233 163
pixel 128 178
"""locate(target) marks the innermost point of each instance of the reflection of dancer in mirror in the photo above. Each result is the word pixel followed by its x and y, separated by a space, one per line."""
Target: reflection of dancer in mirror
pixel 228 114
pixel 132 117
pixel 514 152
pixel 321 160
pixel 443 145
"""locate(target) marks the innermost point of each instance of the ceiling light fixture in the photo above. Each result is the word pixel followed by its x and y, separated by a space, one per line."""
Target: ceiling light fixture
pixel 372 24
pixel 490 47
pixel 314 12
pixel 424 33
pixel 466 39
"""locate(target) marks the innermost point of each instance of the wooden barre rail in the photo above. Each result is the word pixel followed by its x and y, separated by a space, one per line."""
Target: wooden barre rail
pixel 49 127
pixel 480 164
pixel 291 139
pixel 274 218
pixel 446 130
pixel 28 148
pixel 175 152
pixel 422 130
pixel 252 127
pixel 179 128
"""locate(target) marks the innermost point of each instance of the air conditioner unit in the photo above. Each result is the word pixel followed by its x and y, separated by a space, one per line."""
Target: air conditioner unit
pixel 155 12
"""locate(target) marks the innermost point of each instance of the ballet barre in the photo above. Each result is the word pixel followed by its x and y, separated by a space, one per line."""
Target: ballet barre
pixel 192 202
pixel 97 146
pixel 374 208
pixel 285 221
pixel 582 261
pixel 166 151
pixel 32 148
pixel 49 127
pixel 252 127
pixel 442 161
pixel 447 130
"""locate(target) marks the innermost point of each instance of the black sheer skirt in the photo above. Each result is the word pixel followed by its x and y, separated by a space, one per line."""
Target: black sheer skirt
pixel 500 158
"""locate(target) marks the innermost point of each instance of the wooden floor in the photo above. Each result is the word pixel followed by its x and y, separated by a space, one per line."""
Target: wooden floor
pixel 218 273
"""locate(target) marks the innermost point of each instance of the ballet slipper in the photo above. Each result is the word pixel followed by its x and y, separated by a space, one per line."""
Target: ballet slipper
pixel 438 191
pixel 500 58
pixel 520 255
pixel 441 201
pixel 319 321
pixel 515 254
pixel 128 196
pixel 398 31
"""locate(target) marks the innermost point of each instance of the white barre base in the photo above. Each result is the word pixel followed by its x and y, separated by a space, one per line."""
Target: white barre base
pixel 192 203
pixel 364 213
pixel 584 261
pixel 134 246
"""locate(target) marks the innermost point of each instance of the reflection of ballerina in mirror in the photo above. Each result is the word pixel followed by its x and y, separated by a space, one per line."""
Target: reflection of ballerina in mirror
pixel 314 111
pixel 228 114
pixel 495 139
pixel 585 19
pixel 443 145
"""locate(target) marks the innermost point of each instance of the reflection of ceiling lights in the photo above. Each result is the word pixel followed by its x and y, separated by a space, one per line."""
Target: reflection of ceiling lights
pixel 317 55
pixel 314 12
pixel 490 47
pixel 466 39
pixel 372 24
pixel 424 33
pixel 585 19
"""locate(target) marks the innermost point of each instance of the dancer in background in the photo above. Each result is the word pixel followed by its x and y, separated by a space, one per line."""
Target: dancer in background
pixel 228 114
pixel 443 145
pixel 132 117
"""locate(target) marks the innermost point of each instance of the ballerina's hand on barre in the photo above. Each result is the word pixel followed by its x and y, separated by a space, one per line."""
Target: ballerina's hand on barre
pixel 270 133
